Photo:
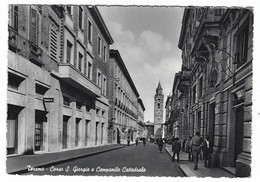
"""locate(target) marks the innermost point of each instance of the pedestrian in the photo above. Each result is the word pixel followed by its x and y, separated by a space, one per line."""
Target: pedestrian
pixel 176 148
pixel 144 141
pixel 196 144
pixel 160 144
pixel 136 141
pixel 206 151
pixel 157 140
pixel 189 149
pixel 128 141
pixel 183 144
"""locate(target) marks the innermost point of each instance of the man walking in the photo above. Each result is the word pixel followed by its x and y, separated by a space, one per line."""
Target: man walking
pixel 144 141
pixel 196 144
pixel 206 151
pixel 176 147
pixel 160 144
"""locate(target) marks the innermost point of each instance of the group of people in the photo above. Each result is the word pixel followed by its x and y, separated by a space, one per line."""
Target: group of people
pixel 193 147
pixel 142 139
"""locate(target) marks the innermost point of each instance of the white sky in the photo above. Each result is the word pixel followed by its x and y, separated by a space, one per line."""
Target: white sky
pixel 147 39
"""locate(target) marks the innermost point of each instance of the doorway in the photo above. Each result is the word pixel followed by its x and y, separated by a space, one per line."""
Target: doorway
pixel 211 128
pixel 40 119
pixel 239 113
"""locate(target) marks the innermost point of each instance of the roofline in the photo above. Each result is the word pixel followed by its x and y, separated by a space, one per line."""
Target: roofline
pixel 186 15
pixel 101 23
pixel 177 75
pixel 115 54
pixel 141 103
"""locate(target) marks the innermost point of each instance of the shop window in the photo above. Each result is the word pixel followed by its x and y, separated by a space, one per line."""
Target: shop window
pixel 86 132
pixel 77 132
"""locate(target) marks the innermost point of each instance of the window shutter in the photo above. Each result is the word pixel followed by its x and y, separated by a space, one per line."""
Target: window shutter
pixel 53 43
pixel 33 26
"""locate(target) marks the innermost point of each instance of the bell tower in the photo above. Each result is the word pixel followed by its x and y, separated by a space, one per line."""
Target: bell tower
pixel 158 111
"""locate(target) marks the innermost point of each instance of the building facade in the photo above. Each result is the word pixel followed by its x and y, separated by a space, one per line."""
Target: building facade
pixel 57 78
pixel 140 124
pixel 150 130
pixel 158 111
pixel 168 110
pixel 123 99
pixel 216 82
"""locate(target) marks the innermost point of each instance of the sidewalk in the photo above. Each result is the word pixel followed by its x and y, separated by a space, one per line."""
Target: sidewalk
pixel 18 164
pixel 187 167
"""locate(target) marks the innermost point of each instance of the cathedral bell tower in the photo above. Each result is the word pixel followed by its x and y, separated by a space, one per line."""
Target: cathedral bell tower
pixel 158 111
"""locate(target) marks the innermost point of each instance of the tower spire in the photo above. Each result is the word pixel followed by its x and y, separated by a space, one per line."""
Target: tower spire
pixel 159 86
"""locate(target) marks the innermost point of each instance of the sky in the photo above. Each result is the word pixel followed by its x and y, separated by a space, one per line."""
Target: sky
pixel 147 39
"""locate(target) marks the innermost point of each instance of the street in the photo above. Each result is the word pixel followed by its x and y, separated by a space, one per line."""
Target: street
pixel 128 161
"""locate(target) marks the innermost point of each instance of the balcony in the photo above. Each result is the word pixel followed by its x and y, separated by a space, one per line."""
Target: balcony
pixel 35 54
pixel 72 76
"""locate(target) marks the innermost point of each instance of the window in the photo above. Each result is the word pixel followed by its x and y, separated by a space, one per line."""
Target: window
pixel 200 88
pixel 105 53
pixel 53 42
pixel 104 88
pixel 12 129
pixel 99 79
pixel 39 89
pixel 89 70
pixel 80 61
pixel 97 111
pixel 89 31
pixel 14 17
pixel 103 113
pixel 69 51
pixel 194 94
pixel 158 105
pixel 80 18
pixel 14 81
pixel 242 46
pixel 85 66
pixel 99 46
pixel 34 23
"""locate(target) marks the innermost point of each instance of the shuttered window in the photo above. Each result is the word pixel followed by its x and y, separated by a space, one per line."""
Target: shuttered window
pixel 34 26
pixel 53 43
